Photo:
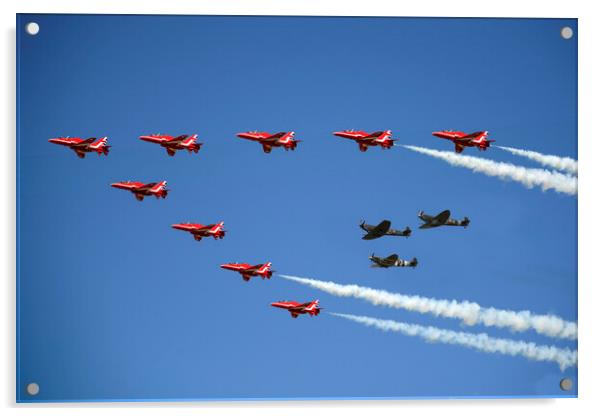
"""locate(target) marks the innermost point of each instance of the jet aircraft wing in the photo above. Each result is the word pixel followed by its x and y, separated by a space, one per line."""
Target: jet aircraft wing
pixel 79 153
pixel 466 138
pixel 298 308
pixel 179 138
pixel 273 138
pixel 85 143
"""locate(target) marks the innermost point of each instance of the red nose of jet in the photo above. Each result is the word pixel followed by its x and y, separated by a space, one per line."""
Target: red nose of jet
pixel 120 185
pixel 56 141
pixel 442 134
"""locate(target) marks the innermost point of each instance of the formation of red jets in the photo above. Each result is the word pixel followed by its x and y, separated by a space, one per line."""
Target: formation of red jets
pixel 286 140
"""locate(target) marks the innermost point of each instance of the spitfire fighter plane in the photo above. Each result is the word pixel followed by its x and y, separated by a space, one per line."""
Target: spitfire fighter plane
pixel 140 189
pixel 461 140
pixel 199 231
pixel 296 308
pixel 384 228
pixel 268 140
pixel 365 139
pixel 247 270
pixel 172 144
pixel 441 219
pixel 81 146
pixel 392 261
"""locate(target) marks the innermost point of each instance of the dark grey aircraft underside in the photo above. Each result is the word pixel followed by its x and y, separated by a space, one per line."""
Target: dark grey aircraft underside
pixel 443 218
pixel 392 261
pixel 384 228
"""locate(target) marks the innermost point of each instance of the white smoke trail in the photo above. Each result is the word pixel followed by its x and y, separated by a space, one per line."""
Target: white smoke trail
pixel 566 164
pixel 563 357
pixel 529 177
pixel 470 313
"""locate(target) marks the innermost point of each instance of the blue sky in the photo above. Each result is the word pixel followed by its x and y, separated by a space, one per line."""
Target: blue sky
pixel 114 304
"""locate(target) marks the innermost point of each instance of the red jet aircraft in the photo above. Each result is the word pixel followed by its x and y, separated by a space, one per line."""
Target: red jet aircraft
pixel 81 146
pixel 199 231
pixel 296 308
pixel 247 271
pixel 172 144
pixel 282 139
pixel 140 190
pixel 477 139
pixel 365 139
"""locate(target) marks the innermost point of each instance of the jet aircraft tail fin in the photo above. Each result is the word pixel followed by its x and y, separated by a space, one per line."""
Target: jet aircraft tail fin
pixel 102 142
pixel 161 186
pixel 190 140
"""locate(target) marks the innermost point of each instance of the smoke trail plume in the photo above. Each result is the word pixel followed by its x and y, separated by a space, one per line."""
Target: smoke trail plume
pixel 470 313
pixel 529 177
pixel 566 164
pixel 563 357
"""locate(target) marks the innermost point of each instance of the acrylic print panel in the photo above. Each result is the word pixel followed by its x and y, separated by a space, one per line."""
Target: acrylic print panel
pixel 470 122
